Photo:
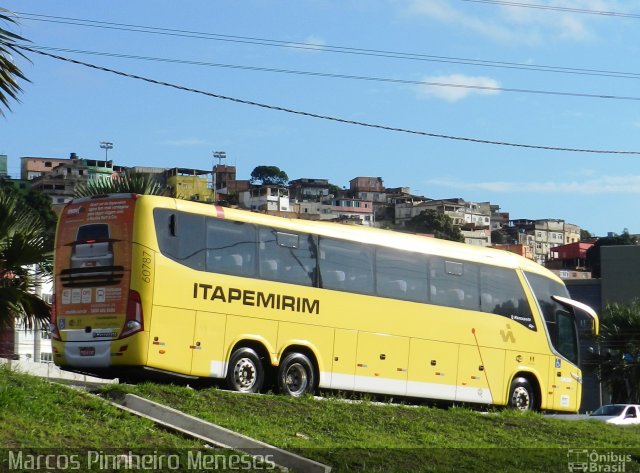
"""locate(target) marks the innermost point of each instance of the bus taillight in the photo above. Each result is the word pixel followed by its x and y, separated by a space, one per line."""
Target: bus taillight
pixel 53 325
pixel 134 321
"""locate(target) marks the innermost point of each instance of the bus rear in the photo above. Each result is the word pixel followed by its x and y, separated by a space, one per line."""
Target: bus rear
pixel 97 318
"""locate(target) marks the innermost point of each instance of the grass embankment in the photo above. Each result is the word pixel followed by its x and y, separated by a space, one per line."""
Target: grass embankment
pixel 348 436
pixel 368 436
pixel 49 427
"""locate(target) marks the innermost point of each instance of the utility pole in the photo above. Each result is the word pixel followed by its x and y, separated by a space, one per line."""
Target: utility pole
pixel 219 155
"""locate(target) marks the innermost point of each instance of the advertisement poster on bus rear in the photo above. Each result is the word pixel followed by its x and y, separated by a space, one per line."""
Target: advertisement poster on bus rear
pixel 93 259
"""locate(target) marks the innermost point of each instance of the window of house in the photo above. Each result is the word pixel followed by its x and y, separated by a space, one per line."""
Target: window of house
pixel 46 357
pixel 47 164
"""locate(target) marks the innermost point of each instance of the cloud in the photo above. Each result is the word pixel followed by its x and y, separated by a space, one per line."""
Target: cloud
pixel 312 44
pixel 601 185
pixel 185 142
pixel 459 87
pixel 517 24
pixel 443 11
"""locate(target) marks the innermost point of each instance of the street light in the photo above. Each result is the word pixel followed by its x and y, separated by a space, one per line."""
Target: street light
pixel 106 146
pixel 219 155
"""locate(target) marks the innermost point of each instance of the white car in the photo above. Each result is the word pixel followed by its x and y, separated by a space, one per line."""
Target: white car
pixel 620 414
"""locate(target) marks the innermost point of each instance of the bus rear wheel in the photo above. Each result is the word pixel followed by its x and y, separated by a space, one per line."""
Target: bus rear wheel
pixel 296 375
pixel 246 372
pixel 522 396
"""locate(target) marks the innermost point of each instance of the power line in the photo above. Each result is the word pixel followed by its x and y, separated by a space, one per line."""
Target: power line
pixel 327 117
pixel 556 8
pixel 326 48
pixel 339 76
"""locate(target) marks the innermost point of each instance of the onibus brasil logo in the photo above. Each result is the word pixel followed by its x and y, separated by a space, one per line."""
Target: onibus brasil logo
pixel 585 460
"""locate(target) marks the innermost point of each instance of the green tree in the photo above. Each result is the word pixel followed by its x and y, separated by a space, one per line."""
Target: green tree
pixel 129 182
pixel 499 237
pixel 269 175
pixel 620 351
pixel 437 223
pixel 593 253
pixel 334 190
pixel 39 202
pixel 585 234
pixel 23 260
pixel 10 73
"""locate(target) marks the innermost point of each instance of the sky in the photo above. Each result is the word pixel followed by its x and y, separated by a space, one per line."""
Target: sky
pixel 442 81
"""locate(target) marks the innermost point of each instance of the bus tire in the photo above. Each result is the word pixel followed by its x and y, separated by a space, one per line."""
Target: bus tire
pixel 296 375
pixel 245 372
pixel 522 395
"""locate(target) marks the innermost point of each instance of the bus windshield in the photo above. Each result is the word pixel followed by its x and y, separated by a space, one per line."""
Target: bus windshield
pixel 560 323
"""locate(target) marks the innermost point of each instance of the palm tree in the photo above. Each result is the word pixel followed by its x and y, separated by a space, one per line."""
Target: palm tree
pixel 23 261
pixel 9 71
pixel 129 182
pixel 620 346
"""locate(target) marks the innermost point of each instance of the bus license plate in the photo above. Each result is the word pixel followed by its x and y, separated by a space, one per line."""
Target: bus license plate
pixel 87 351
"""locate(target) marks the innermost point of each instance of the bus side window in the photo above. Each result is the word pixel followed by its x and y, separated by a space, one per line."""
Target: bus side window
pixel 181 237
pixel 353 260
pixel 401 275
pixel 287 257
pixel 231 247
pixel 501 293
pixel 454 284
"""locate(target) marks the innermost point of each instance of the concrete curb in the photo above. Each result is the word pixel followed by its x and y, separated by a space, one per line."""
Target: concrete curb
pixel 218 436
pixel 51 371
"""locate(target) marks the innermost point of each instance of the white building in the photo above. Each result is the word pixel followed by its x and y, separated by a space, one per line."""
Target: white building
pixel 266 198
pixel 34 344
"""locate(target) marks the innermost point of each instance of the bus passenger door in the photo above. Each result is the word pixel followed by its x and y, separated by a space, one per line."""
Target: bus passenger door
pixel 564 391
pixel 207 345
pixel 344 359
pixel 433 369
pixel 480 374
pixel 170 339
pixel 382 363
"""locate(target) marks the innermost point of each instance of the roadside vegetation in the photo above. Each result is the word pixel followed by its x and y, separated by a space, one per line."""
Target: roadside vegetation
pixel 349 436
pixel 369 436
pixel 37 414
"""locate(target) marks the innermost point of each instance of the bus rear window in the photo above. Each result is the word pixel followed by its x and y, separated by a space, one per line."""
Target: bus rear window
pixel 93 232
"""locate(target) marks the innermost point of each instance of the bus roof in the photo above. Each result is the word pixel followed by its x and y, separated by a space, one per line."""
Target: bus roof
pixel 388 238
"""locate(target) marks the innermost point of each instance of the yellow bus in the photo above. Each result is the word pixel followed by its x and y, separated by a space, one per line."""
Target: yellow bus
pixel 171 286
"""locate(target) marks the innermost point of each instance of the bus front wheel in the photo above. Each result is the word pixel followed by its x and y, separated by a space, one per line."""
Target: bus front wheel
pixel 246 372
pixel 522 395
pixel 296 376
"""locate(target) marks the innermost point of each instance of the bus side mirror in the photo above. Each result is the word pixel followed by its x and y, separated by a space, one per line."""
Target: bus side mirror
pixel 584 309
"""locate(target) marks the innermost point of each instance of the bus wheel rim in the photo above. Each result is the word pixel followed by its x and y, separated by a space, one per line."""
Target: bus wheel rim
pixel 245 374
pixel 521 398
pixel 296 378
